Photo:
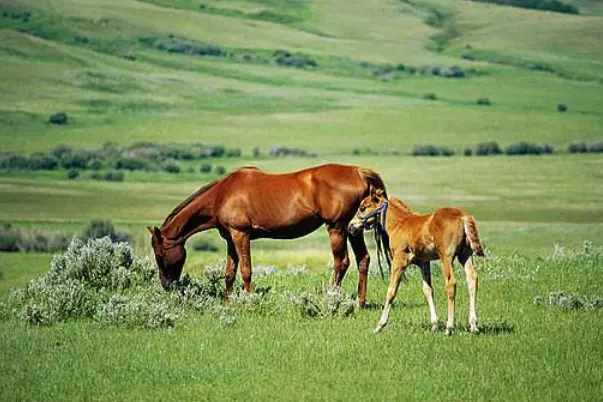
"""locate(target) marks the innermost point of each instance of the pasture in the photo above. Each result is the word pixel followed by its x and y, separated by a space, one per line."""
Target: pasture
pixel 105 64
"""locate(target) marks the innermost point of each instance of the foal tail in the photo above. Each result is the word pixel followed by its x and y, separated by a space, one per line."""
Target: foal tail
pixel 472 236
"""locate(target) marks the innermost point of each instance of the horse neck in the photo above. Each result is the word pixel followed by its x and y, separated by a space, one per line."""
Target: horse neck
pixel 194 215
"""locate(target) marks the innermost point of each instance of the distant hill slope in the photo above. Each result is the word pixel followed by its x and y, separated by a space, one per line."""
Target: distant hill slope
pixel 256 72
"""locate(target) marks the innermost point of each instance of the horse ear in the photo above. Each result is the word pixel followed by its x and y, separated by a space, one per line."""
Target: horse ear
pixel 156 232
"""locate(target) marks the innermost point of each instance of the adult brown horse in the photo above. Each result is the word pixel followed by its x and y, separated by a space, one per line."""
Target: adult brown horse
pixel 250 204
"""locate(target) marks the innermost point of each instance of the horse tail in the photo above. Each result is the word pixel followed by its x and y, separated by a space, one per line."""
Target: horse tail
pixel 372 179
pixel 472 236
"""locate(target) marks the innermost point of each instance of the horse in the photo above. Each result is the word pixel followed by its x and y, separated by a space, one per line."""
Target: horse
pixel 250 204
pixel 445 234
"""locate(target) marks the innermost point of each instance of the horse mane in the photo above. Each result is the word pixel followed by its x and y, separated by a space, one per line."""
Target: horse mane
pixel 372 178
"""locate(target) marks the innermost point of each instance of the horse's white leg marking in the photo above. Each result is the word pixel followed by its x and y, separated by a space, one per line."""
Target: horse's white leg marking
pixel 471 276
pixel 398 267
pixel 450 284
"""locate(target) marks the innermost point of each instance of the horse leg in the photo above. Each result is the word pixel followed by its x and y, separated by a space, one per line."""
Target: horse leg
pixel 339 248
pixel 241 242
pixel 450 285
pixel 362 260
pixel 398 267
pixel 471 276
pixel 232 260
pixel 428 292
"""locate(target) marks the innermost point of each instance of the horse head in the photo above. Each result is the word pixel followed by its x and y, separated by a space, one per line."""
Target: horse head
pixel 170 257
pixel 370 212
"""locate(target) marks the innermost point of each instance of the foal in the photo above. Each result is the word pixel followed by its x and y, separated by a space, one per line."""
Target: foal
pixel 418 239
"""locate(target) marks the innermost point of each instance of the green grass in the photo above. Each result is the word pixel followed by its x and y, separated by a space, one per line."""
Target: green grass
pixel 68 56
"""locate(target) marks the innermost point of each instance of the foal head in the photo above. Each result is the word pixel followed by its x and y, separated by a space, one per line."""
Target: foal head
pixel 370 212
pixel 170 257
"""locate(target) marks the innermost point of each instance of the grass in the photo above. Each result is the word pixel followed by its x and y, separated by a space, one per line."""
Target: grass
pixel 68 56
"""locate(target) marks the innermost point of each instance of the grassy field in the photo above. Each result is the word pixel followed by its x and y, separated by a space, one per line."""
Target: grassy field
pixel 107 65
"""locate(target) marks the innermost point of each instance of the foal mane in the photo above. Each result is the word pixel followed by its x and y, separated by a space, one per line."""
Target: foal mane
pixel 399 204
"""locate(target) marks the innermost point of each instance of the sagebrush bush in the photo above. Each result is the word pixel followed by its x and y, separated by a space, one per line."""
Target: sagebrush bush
pixel 97 229
pixel 58 118
pixel 431 150
pixel 488 148
pixel 528 148
pixel 15 238
pixel 332 303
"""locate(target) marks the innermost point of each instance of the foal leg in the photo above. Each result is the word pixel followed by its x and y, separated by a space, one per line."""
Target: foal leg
pixel 428 292
pixel 398 267
pixel 471 276
pixel 362 259
pixel 242 245
pixel 339 247
pixel 450 285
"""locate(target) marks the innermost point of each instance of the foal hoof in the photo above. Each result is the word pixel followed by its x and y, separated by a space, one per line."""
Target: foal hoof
pixel 474 329
pixel 449 331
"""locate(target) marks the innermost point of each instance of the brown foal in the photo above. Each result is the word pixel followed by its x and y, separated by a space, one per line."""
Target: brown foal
pixel 249 204
pixel 445 234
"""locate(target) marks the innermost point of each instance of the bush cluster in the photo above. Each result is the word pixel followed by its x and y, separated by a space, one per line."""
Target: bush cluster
pixel 15 238
pixel 98 229
pixel 431 150
pixel 278 151
pixel 403 70
pixel 333 303
pixel 583 147
pixel 178 45
pixel 528 148
pixel 288 59
pixel 545 5
pixel 143 156
pixel 488 148
pixel 103 281
pixel 570 301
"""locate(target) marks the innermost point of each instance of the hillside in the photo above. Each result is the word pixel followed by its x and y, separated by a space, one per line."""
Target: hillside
pixel 249 73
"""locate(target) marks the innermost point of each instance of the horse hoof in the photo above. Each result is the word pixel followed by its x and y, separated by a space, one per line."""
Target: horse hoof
pixel 434 327
pixel 448 331
pixel 474 329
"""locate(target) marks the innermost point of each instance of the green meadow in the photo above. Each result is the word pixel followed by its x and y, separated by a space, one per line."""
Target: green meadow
pixel 353 82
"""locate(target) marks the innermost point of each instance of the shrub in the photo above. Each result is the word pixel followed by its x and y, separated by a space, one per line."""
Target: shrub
pixel 170 167
pixel 73 174
pixel 13 161
pixel 58 118
pixel 287 59
pixel 97 229
pixel 488 148
pixel 483 102
pixel 41 161
pixel 205 168
pixel 595 146
pixel 131 163
pixel 527 148
pixel 468 151
pixel 431 150
pixel 220 170
pixel 60 151
pixel 561 107
pixel 548 5
pixel 14 238
pixel 577 147
pixel 184 46
pixel 430 96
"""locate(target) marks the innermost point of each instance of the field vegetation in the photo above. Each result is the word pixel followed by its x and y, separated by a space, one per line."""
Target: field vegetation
pixel 113 112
